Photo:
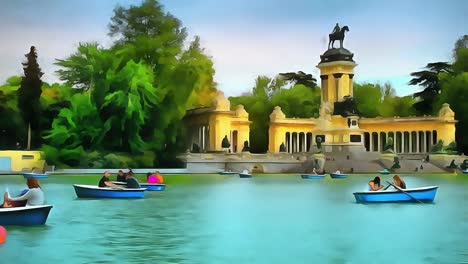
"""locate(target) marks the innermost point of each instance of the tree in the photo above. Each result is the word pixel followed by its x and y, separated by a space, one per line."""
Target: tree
pixel 144 83
pixel 429 79
pixel 29 94
pixel 460 55
pixel 300 78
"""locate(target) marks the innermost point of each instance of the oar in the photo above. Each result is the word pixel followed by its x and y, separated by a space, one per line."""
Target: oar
pixel 387 187
pixel 398 188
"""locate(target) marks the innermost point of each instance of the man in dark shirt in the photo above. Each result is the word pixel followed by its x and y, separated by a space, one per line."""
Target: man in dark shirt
pixel 132 182
pixel 121 176
pixel 105 182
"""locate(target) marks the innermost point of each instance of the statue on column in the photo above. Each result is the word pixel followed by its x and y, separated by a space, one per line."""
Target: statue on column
pixel 246 147
pixel 282 148
pixel 337 34
pixel 225 143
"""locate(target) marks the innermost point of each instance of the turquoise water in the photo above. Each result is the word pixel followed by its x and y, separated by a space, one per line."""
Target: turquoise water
pixel 225 219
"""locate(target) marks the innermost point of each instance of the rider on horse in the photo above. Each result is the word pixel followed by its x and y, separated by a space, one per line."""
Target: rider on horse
pixel 336 29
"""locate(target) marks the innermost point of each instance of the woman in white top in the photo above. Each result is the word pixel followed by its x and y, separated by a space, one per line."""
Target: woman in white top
pixel 34 195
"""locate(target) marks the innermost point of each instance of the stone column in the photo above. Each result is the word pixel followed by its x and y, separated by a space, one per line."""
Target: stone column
pixel 351 88
pixel 297 142
pixel 410 149
pixel 371 141
pixel 394 142
pixel 338 94
pixel 403 142
pixel 305 143
pixel 417 141
pixel 324 88
pixel 290 150
pixel 379 142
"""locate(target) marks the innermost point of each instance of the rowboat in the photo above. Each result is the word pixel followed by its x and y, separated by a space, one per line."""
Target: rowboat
pixel 91 191
pixel 384 171
pixel 312 176
pixel 35 175
pixel 423 194
pixel 338 175
pixel 26 215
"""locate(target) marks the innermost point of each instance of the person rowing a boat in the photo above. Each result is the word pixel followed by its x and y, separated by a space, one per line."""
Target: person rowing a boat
pixel 399 182
pixel 375 185
pixel 105 181
pixel 34 195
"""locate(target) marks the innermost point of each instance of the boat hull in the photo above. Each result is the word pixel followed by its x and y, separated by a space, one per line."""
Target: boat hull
pixel 148 186
pixel 384 172
pixel 28 215
pixel 338 176
pixel 312 176
pixel 245 175
pixel 424 194
pixel 35 175
pixel 153 186
pixel 91 191
pixel 228 173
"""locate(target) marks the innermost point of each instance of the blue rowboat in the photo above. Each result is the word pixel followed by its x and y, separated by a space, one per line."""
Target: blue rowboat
pixel 423 194
pixel 91 191
pixel 312 176
pixel 338 175
pixel 27 215
pixel 384 171
pixel 35 175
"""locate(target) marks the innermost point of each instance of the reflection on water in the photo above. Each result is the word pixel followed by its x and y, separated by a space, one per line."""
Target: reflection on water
pixel 225 219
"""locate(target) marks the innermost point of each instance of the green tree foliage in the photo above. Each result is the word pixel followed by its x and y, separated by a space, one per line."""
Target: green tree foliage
pixel 460 54
pixel 374 100
pixel 12 127
pixel 368 97
pixel 29 94
pixel 429 80
pixel 142 86
pixel 455 93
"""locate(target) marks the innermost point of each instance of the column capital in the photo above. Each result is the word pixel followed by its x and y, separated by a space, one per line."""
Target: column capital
pixel 324 77
pixel 337 75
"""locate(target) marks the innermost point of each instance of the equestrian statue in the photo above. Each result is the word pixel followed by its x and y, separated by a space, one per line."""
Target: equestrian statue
pixel 337 34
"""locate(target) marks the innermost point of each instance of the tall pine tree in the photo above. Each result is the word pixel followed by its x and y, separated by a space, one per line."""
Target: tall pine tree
pixel 29 94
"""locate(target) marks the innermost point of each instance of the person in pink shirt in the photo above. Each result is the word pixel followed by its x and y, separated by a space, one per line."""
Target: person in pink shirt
pixel 151 178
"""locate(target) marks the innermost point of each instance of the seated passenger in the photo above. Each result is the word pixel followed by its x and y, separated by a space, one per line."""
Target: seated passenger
pixel 159 177
pixel 151 178
pixel 132 182
pixel 399 182
pixel 337 172
pixel 105 182
pixel 120 176
pixel 374 185
pixel 314 172
pixel 34 196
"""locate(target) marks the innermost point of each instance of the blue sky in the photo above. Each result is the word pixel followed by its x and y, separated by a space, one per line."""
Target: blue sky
pixel 390 39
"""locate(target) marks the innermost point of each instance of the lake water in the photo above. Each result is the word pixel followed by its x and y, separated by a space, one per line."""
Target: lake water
pixel 226 219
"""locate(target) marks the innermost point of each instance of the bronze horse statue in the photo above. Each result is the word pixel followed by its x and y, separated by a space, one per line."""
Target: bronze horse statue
pixel 337 36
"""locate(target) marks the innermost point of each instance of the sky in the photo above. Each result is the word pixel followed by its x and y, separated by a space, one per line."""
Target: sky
pixel 245 38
